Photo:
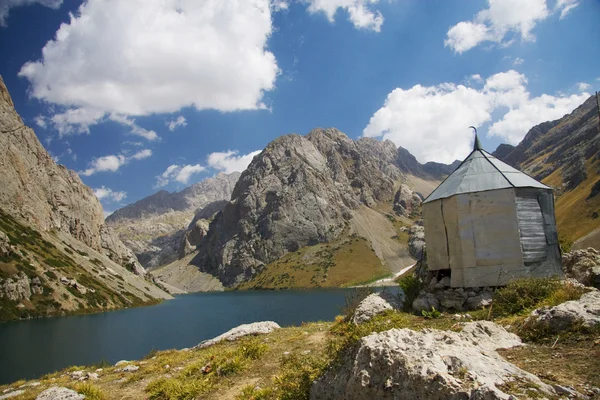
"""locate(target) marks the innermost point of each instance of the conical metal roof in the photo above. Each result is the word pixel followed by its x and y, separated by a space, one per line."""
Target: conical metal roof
pixel 482 171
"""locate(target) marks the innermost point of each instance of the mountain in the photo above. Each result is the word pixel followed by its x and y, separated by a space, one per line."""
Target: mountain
pixel 565 154
pixel 53 237
pixel 320 200
pixel 154 227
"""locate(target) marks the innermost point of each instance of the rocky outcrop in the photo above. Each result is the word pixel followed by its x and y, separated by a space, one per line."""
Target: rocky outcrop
pixel 439 295
pixel 59 393
pixel 256 328
pixel 404 364
pixel 4 244
pixel 46 195
pixel 377 303
pixel 584 312
pixel 198 228
pixel 583 266
pixel 155 228
pixel 416 241
pixel 406 202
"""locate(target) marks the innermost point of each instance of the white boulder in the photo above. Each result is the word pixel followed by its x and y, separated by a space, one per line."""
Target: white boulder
pixel 256 328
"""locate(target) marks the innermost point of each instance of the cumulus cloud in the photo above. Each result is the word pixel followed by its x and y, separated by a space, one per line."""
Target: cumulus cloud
pixel 583 86
pixel 431 121
pixel 360 12
pixel 179 173
pixel 140 155
pixel 6 5
pixel 112 163
pixel 174 124
pixel 107 194
pixel 229 161
pixel 140 57
pixel 40 121
pixel 518 61
pixel 502 21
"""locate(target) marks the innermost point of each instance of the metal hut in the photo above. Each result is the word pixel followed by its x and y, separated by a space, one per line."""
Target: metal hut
pixel 489 223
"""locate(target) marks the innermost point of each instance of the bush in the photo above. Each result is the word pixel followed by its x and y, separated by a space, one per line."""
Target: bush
pixel 411 287
pixel 523 295
pixel 90 391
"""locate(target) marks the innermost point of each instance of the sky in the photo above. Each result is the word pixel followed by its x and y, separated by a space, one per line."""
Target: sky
pixel 143 95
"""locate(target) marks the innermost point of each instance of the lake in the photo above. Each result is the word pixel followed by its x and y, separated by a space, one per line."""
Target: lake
pixel 32 348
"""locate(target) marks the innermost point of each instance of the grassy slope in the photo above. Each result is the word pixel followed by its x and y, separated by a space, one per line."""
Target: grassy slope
pixel 345 262
pixel 574 212
pixel 48 258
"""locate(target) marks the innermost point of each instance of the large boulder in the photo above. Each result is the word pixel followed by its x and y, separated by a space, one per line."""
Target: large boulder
pixel 583 265
pixel 405 364
pixel 377 303
pixel 416 241
pixel 406 202
pixel 256 328
pixel 585 311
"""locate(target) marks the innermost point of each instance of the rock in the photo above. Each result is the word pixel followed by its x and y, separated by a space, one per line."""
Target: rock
pixel 583 266
pixel 129 368
pixel 64 280
pixel 451 300
pixel 404 364
pixel 416 241
pixel 59 393
pixel 11 394
pixel 92 376
pixel 77 374
pixel 16 288
pixel 122 362
pixel 406 202
pixel 256 328
pixel 4 244
pixel 425 302
pixel 479 301
pixel 376 303
pixel 585 311
pixel 445 281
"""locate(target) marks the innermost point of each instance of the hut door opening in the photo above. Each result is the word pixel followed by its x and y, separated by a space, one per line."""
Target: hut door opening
pixel 531 227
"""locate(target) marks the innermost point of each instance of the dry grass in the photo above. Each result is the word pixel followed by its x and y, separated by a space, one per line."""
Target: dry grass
pixel 345 262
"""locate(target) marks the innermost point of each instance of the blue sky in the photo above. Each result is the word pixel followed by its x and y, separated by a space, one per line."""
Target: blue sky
pixel 140 95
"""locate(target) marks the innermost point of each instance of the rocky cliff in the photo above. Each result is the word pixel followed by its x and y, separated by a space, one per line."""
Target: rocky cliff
pixel 565 155
pixel 300 191
pixel 155 227
pixel 44 202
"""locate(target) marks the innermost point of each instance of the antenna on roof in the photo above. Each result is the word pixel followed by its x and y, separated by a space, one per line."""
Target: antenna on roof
pixel 477 144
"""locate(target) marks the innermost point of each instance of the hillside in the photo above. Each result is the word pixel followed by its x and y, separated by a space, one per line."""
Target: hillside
pixel 57 255
pixel 154 227
pixel 564 154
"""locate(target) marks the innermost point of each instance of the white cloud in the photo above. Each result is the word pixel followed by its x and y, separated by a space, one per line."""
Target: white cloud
pixel 40 121
pixel 229 161
pixel 107 163
pixel 361 12
pixel 140 155
pixel 565 6
pixel 179 173
pixel 583 86
pixel 140 57
pixel 431 122
pixel 518 61
pixel 498 23
pixel 135 129
pixel 476 78
pixel 279 5
pixel 107 194
pixel 180 121
pixel 6 5
pixel 76 120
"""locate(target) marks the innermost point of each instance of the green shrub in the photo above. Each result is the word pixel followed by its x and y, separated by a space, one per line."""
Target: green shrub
pixel 565 244
pixel 411 287
pixel 90 391
pixel 431 314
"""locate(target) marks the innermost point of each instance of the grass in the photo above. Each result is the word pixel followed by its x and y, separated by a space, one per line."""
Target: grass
pixel 347 261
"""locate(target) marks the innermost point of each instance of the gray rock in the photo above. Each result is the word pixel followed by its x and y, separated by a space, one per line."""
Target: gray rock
pixel 256 328
pixel 425 302
pixel 585 311
pixel 376 303
pixel 416 241
pixel 59 393
pixel 451 300
pixel 129 368
pixel 122 362
pixel 16 288
pixel 583 266
pixel 406 202
pixel 404 364
pixel 4 244
pixel 11 394
pixel 445 281
pixel 479 301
